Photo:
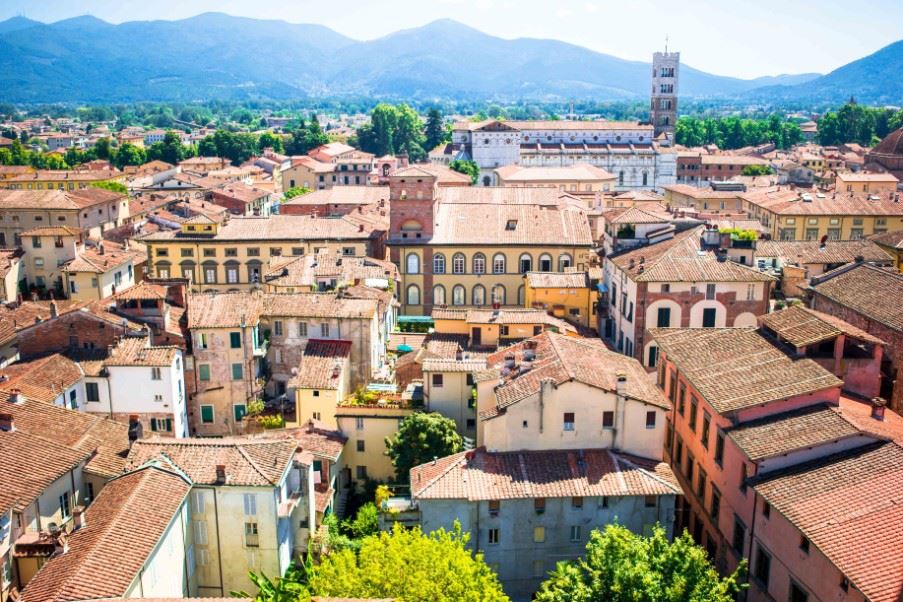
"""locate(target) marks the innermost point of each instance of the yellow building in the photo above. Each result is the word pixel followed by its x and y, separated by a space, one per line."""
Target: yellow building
pixel 702 200
pixel 497 327
pixel 234 256
pixel 307 172
pixel 322 382
pixel 60 179
pixel 580 177
pixel 566 295
pixel 874 183
pixel 466 246
pixel 795 214
pixel 892 244
pixel 367 425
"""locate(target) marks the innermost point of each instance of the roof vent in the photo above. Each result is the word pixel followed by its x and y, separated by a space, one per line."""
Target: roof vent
pixel 878 407
pixel 220 474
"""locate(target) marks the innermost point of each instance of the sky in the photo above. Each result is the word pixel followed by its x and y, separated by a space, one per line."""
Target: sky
pixel 740 38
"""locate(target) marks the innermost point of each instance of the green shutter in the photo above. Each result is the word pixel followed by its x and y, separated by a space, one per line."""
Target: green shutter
pixel 235 340
pixel 204 371
pixel 207 414
pixel 240 411
pixel 153 424
pixel 237 372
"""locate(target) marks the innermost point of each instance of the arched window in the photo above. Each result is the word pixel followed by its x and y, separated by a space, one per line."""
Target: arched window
pixel 478 295
pixel 498 264
pixel 479 264
pixel 412 263
pixel 438 295
pixel 459 295
pixel 564 262
pixel 439 263
pixel 413 296
pixel 458 263
pixel 526 263
pixel 411 225
pixel 545 263
pixel 520 295
pixel 498 294
pixel 386 170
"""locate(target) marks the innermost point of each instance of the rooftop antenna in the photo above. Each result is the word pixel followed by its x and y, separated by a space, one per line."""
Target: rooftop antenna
pixel 666 43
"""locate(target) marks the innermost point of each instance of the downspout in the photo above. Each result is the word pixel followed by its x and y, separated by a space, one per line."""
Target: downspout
pixel 219 542
pixel 752 527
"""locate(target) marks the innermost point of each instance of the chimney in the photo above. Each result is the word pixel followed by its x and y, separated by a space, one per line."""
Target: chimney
pixel 622 383
pixel 78 518
pixel 220 474
pixel 54 312
pixel 7 423
pixel 100 248
pixel 878 406
pixel 15 396
pixel 136 429
pixel 509 361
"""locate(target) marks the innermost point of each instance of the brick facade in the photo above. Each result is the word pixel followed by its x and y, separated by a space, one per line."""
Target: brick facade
pixel 73 330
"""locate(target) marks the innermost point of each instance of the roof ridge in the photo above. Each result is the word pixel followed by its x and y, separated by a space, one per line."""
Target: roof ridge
pixel 444 472
pixel 646 472
pixel 241 450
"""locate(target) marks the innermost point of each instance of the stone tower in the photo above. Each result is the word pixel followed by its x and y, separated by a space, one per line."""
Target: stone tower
pixel 665 71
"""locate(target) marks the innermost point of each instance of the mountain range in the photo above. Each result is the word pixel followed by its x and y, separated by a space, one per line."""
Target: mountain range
pixel 217 56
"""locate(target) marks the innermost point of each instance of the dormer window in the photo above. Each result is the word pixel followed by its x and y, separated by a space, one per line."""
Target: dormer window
pixel 511 225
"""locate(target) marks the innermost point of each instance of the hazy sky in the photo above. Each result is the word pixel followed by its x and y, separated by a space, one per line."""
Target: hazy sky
pixel 743 38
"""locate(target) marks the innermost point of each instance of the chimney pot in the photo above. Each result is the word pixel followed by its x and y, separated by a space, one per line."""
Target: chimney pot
pixel 15 396
pixel 878 406
pixel 220 474
pixel 7 423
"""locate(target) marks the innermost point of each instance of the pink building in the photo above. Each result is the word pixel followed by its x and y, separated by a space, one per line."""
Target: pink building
pixel 750 422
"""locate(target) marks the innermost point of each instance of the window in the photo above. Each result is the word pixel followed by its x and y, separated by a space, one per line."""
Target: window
pixel 204 372
pixel 437 380
pixel 253 252
pixel 545 263
pixel 324 330
pixel 277 327
pixel 804 544
pixel 92 392
pixel 766 510
pixel 359 423
pixel 479 264
pixel 719 448
pixel 708 317
pixel 36 242
pixel 478 295
pixel 498 264
pixel 715 508
pixel 493 536
pixel 239 411
pixel 568 421
pixel 498 294
pixel 237 371
pixel 155 374
pixel 576 502
pixel 650 419
pixel 207 414
pixel 251 539
pixel 692 417
pixel 576 533
pixel 650 501
pixel 539 534
pixel 360 445
pixel 526 263
pixel 439 295
pixel 539 505
pixel 439 263
pixel 763 566
pixel 700 484
pixel 494 507
pixel 681 396
pixel 412 264
pixel 564 262
pixel 361 472
pixel 413 295
pixel 798 594
pixel 608 419
pixel 65 506
pixel 743 477
pixel 459 295
pixel 664 317
pixel 302 329
pixel 653 356
pixel 458 263
pixel 704 435
pixel 738 536
pixel 235 340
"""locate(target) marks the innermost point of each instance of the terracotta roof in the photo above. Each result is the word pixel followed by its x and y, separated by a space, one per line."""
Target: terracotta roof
pixel 867 290
pixel 122 529
pixel 680 259
pixel 343 195
pixel 553 125
pixel 785 201
pixel 696 192
pixel 143 291
pixel 634 215
pixel 102 439
pixel 812 252
pixel 732 160
pixel 889 239
pixel 442 173
pixel 317 305
pixel 43 379
pixel 308 270
pixel 223 310
pixel 557 280
pixel 64 175
pixel 465 364
pixel 51 231
pixel 737 368
pixel 253 462
pixel 8 258
pixel 239 191
pixel 313 437
pixel 90 259
pixel 867 177
pixel 561 359
pixel 860 414
pixel 801 326
pixel 481 475
pixel 30 464
pixel 892 144
pixel 275 227
pixel 514 224
pixel 136 352
pixel 322 363
pixel 847 505
pixel 789 431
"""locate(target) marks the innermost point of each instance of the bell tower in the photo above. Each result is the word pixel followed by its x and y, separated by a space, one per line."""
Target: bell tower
pixel 665 71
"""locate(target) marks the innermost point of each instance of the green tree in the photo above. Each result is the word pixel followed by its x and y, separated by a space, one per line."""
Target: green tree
pixel 170 149
pixel 271 140
pixel 129 154
pixel 466 167
pixel 421 437
pixel 408 565
pixel 621 566
pixel 293 192
pixel 757 170
pixel 365 522
pixel 435 131
pixel 114 186
pixel 104 148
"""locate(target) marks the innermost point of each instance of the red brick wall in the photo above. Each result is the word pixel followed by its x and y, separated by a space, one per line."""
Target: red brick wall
pixel 894 339
pixel 320 210
pixel 54 335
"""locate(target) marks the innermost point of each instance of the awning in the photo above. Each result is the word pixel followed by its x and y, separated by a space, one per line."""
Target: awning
pixel 601 287
pixel 415 319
